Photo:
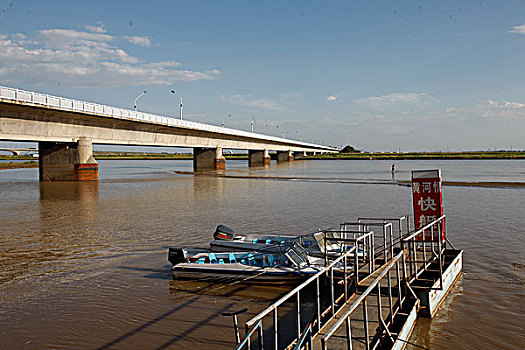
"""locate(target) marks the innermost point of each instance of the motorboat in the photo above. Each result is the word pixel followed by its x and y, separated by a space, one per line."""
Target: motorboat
pixel 317 244
pixel 258 267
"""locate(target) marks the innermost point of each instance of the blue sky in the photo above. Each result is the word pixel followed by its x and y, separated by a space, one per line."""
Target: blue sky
pixel 379 75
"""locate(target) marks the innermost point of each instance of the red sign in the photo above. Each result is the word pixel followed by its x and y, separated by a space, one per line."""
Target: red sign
pixel 428 201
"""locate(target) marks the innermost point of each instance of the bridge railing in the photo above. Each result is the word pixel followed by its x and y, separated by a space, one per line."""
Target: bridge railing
pixel 13 94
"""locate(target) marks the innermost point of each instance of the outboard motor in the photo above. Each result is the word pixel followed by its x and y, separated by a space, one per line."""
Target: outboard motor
pixel 177 255
pixel 223 233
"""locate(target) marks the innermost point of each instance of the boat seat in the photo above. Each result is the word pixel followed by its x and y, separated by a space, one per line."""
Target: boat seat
pixel 213 258
pixel 231 256
pixel 221 261
pixel 270 260
pixel 255 240
pixel 243 261
pixel 268 241
pixel 251 259
pixel 200 261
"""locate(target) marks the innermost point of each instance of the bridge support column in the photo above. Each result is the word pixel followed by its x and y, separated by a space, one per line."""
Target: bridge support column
pixel 299 155
pixel 208 159
pixel 67 161
pixel 258 158
pixel 284 156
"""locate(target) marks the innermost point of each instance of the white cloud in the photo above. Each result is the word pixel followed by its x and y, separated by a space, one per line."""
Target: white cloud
pixel 331 98
pixel 250 101
pixel 83 59
pixel 506 105
pixel 518 29
pixel 97 28
pixel 59 38
pixel 488 110
pixel 139 40
pixel 395 99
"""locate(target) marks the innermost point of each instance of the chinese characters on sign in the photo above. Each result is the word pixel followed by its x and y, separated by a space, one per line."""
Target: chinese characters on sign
pixel 428 200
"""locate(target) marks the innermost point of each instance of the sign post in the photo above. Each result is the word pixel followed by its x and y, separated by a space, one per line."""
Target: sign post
pixel 428 201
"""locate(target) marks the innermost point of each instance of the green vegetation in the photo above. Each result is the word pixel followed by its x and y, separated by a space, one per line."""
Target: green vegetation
pixel 349 149
pixel 141 156
pixel 157 156
pixel 17 165
pixel 423 155
pixel 343 155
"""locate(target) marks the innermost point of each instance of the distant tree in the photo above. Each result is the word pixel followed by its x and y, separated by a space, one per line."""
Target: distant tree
pixel 349 149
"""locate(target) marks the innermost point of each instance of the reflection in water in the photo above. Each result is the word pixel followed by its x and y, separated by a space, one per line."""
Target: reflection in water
pixel 69 190
pixel 207 186
pixel 81 196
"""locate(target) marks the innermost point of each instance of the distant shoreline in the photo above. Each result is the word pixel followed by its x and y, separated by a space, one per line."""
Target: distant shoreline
pixel 421 156
pixel 18 165
pixel 33 163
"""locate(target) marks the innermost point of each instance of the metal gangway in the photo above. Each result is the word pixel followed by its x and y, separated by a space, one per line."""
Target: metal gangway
pixel 368 300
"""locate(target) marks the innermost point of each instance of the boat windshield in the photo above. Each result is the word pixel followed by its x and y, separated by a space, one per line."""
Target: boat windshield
pixel 297 256
pixel 323 240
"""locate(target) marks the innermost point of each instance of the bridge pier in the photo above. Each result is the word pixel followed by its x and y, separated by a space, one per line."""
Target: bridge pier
pixel 208 159
pixel 258 158
pixel 299 155
pixel 284 156
pixel 67 161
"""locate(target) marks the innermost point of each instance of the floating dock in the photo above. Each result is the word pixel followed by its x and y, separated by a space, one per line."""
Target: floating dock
pixel 366 301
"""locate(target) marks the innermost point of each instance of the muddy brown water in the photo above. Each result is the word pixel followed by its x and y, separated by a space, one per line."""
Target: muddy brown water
pixel 83 265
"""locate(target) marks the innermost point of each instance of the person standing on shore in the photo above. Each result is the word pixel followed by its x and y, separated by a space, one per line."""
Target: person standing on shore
pixel 393 168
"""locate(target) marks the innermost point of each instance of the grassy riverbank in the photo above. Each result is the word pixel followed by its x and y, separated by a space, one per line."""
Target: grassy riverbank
pixel 18 165
pixel 156 156
pixel 328 156
pixel 422 155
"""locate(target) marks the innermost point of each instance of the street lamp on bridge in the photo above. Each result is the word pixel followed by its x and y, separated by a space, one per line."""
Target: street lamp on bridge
pixel 229 115
pixel 180 110
pixel 139 96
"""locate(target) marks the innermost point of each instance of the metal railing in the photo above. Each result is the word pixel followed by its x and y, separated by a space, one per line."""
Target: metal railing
pixel 247 340
pixel 68 104
pixel 406 266
pixel 430 241
pixel 384 321
pixel 296 293
pixel 400 232
pixel 306 339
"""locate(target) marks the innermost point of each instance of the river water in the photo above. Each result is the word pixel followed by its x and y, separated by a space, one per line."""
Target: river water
pixel 83 265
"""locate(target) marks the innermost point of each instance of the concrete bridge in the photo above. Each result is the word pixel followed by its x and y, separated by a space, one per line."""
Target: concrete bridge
pixel 18 151
pixel 66 129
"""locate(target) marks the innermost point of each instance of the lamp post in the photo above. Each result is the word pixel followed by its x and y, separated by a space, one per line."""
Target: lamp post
pixel 180 110
pixel 301 135
pixel 251 123
pixel 139 96
pixel 229 115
